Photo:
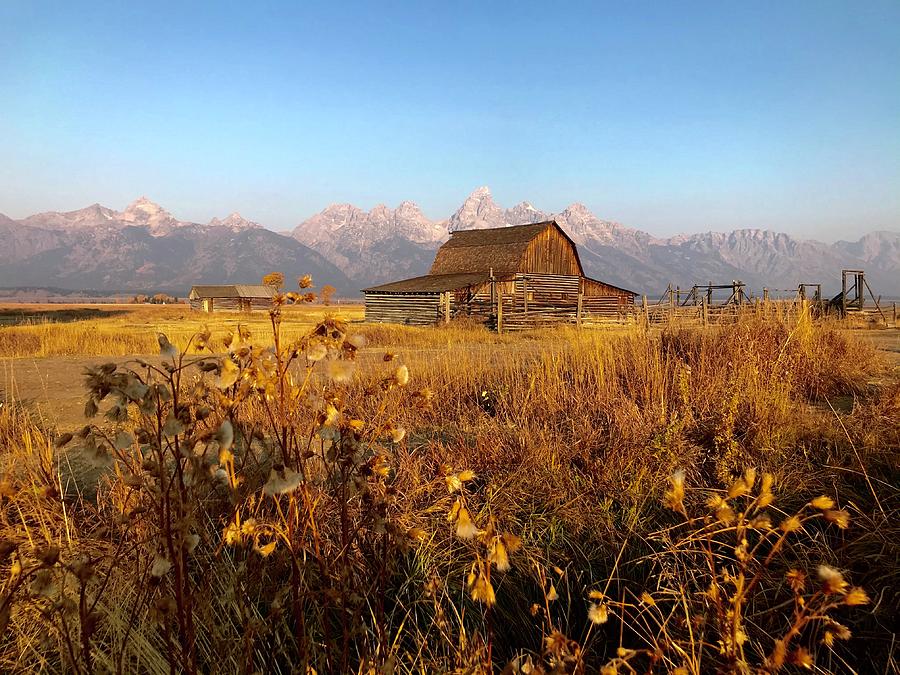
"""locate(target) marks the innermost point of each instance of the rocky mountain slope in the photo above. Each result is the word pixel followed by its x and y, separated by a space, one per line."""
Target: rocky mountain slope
pixel 145 247
pixel 371 249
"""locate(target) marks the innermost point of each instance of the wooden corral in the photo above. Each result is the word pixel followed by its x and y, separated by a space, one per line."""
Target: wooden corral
pixel 234 298
pixel 510 277
pixel 706 304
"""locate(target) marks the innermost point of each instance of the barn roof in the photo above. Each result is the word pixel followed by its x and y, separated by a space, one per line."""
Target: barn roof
pixel 233 291
pixel 432 283
pixel 499 248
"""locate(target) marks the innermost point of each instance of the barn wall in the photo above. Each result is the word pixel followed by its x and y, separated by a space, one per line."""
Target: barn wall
pixel 417 309
pixel 234 304
pixel 550 252
pixel 593 288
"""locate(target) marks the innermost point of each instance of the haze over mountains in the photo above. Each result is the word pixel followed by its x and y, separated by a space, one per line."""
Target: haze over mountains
pixel 144 247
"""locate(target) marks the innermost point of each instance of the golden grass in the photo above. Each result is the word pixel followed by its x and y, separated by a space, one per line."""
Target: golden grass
pixel 126 330
pixel 564 439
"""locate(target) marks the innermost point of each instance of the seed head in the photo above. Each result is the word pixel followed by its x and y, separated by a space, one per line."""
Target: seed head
pixel 840 518
pixel 822 503
pixel 832 581
pixel 856 596
pixel 598 614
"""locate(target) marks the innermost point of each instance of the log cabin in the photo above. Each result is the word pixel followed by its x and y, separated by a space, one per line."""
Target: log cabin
pixel 234 298
pixel 511 277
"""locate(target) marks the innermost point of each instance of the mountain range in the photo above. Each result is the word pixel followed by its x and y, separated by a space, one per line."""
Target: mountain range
pixel 144 247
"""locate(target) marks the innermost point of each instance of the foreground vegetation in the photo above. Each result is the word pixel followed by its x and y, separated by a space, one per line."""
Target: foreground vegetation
pixel 678 501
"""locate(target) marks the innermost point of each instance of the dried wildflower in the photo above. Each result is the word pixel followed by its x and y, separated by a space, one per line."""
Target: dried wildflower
pixel 282 482
pixel 856 596
pixel 160 567
pixel 840 518
pixel 674 496
pixel 796 580
pixel 316 351
pixel 398 434
pixel 791 524
pixel 802 658
pixel 725 514
pixel 454 511
pixel 453 482
pixel 765 491
pixel 305 281
pixel 647 599
pixel 715 502
pixel 232 534
pixel 832 580
pixel 465 526
pixel 228 374
pixel 822 503
pixel 416 534
pixel 839 631
pixel 598 614
pixel 512 542
pixel 762 522
pixel 552 594
pixel 466 475
pixel 166 348
pixel 401 376
pixel 498 554
pixel 266 549
pixel 750 477
pixel 191 542
pixel 480 587
pixel 738 488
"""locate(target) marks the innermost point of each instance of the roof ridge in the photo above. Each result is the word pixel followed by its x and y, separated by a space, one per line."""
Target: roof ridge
pixel 505 227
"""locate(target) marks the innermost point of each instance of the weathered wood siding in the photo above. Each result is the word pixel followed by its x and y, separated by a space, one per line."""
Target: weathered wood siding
pixel 550 252
pixel 415 309
pixel 232 304
pixel 593 288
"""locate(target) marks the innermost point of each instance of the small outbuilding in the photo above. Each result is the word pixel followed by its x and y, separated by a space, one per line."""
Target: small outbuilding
pixel 235 297
pixel 512 277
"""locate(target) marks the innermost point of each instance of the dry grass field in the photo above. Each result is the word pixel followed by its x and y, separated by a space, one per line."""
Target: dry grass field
pixel 315 494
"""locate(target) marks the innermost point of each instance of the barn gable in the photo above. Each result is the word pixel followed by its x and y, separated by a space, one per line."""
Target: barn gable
pixel 540 248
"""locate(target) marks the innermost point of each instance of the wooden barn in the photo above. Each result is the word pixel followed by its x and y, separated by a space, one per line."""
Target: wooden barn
pixel 234 298
pixel 512 277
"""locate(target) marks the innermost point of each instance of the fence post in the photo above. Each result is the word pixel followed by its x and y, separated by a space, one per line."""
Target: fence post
pixel 446 306
pixel 671 304
pixel 645 309
pixel 705 310
pixel 894 306
pixel 578 309
pixel 499 307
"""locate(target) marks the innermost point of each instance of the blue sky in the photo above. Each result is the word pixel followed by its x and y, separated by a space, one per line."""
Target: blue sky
pixel 667 116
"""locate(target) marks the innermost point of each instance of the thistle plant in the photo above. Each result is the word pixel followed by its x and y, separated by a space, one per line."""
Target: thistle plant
pixel 268 443
pixel 713 606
